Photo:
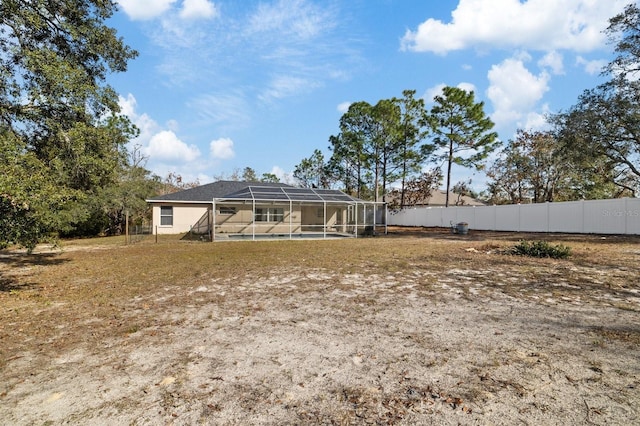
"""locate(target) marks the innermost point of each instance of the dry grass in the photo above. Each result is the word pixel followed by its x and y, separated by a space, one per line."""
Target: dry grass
pixel 101 277
pixel 48 299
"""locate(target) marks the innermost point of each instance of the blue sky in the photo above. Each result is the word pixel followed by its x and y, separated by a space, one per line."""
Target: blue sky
pixel 223 85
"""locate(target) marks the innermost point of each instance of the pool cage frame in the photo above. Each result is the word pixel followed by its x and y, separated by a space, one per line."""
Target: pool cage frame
pixel 260 212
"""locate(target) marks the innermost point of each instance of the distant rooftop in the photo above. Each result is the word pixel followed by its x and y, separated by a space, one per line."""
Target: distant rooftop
pixel 438 198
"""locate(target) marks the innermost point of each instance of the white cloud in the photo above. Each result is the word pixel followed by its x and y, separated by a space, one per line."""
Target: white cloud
pixel 299 18
pixel 222 149
pixel 432 92
pixel 343 107
pixel 165 151
pixel 285 86
pixel 147 126
pixel 204 178
pixel 145 9
pixel 537 121
pixel 534 24
pixel 283 176
pixel 436 90
pixel 522 55
pixel 173 125
pixel 591 67
pixel 198 9
pixel 297 43
pixel 288 47
pixel 514 90
pixel 127 105
pixel 554 61
pixel 469 87
pixel 165 145
pixel 230 110
pixel 150 9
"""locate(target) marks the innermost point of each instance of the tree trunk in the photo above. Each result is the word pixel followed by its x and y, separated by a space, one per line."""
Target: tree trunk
pixel 446 204
pixel 404 172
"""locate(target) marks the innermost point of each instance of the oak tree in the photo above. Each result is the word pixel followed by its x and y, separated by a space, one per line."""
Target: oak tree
pixel 56 109
pixel 605 122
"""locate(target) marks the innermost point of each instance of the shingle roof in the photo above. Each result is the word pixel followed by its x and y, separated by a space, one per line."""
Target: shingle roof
pixel 438 198
pixel 206 193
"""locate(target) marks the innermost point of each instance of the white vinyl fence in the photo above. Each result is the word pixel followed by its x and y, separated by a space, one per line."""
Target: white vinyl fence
pixel 617 216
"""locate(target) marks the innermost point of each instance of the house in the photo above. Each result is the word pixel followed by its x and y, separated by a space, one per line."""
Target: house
pixel 236 210
pixel 438 198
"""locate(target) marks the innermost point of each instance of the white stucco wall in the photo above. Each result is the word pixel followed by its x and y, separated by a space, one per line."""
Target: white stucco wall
pixel 184 216
pixel 242 221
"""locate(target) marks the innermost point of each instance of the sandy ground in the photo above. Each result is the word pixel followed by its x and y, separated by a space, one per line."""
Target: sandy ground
pixel 315 347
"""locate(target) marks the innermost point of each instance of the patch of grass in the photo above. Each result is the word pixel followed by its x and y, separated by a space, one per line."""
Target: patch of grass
pixel 626 307
pixel 540 249
pixel 104 283
pixel 133 329
pixel 625 335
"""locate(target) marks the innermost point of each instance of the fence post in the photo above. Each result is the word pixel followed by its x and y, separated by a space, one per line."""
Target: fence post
pixel 156 234
pixel 126 227
pixel 548 216
pixel 626 215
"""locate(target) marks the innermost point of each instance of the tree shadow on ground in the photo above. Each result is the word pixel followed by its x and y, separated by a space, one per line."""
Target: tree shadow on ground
pixel 14 269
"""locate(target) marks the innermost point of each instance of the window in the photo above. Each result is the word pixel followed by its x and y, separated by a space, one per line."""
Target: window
pixel 227 210
pixel 271 214
pixel 261 215
pixel 276 215
pixel 166 216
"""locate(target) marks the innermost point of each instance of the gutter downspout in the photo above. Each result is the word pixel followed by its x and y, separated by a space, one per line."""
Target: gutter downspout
pixel 213 225
pixel 324 220
pixel 356 219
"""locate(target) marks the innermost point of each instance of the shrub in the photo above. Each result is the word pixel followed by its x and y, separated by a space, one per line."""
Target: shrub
pixel 541 249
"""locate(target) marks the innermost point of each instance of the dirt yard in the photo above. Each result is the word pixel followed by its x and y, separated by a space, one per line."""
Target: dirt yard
pixel 418 327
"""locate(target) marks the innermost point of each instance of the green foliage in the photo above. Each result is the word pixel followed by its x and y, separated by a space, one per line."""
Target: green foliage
pixel 126 196
pixel 249 175
pixel 418 190
pixel 462 130
pixel 539 167
pixel 56 58
pixel 349 161
pixel 63 141
pixel 540 249
pixel 383 143
pixel 604 123
pixel 624 32
pixel 31 203
pixel 410 153
pixel 313 172
pixel 269 177
pixel 379 144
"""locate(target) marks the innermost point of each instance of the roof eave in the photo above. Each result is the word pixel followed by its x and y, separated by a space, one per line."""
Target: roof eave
pixel 178 201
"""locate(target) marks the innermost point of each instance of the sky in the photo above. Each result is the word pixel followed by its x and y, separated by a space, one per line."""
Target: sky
pixel 223 85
